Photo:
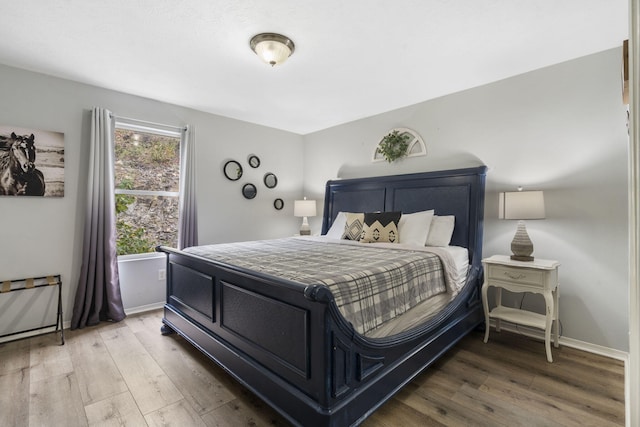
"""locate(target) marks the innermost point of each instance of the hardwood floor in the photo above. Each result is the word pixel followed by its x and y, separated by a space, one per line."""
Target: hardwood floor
pixel 127 374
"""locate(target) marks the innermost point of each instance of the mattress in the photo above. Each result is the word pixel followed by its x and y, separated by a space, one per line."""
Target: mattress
pixel 372 283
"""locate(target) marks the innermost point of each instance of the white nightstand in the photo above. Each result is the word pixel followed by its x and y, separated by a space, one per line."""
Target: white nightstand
pixel 539 276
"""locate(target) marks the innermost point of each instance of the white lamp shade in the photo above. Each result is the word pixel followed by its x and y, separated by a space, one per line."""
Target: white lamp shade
pixel 304 208
pixel 521 205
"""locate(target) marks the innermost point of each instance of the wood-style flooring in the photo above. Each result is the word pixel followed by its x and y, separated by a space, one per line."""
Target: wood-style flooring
pixel 127 374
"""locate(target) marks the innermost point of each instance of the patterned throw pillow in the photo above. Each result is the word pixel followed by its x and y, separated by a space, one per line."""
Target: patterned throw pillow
pixel 353 226
pixel 381 227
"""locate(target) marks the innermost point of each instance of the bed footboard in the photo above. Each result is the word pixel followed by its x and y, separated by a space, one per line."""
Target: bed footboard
pixel 289 344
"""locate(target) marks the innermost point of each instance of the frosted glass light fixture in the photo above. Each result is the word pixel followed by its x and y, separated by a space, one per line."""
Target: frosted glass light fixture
pixel 304 208
pixel 272 48
pixel 521 205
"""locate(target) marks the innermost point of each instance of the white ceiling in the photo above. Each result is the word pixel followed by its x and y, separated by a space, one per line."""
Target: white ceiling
pixel 353 58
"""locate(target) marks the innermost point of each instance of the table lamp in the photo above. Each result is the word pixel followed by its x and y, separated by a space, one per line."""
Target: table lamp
pixel 304 208
pixel 521 205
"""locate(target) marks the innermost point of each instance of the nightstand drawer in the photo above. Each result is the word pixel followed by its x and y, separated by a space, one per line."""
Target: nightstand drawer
pixel 516 275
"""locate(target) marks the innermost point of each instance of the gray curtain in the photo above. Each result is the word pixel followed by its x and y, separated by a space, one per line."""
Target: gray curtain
pixel 187 217
pixel 98 294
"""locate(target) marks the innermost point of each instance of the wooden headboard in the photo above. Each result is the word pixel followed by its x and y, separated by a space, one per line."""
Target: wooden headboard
pixel 458 192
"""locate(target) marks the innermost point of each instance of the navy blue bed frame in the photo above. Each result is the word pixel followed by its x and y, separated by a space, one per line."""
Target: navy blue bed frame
pixel 289 344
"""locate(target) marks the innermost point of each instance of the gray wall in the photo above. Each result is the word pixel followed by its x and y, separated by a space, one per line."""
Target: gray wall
pixel 42 236
pixel 561 129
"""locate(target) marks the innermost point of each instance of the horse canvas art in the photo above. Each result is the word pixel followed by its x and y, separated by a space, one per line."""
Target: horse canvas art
pixel 31 162
pixel 18 173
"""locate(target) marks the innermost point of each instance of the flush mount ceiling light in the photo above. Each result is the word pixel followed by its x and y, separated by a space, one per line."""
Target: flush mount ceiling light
pixel 272 48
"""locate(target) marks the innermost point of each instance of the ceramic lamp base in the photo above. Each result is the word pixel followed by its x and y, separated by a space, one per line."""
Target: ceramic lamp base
pixel 305 230
pixel 521 245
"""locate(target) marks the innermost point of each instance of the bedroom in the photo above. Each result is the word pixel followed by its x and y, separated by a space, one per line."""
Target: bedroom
pixel 570 133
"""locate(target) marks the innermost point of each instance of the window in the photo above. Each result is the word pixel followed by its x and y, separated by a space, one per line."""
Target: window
pixel 147 181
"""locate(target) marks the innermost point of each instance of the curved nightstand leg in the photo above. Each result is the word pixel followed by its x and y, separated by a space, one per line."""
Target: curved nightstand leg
pixel 556 303
pixel 498 304
pixel 485 305
pixel 548 298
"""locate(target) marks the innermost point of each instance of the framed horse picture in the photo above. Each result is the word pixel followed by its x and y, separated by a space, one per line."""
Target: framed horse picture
pixel 31 162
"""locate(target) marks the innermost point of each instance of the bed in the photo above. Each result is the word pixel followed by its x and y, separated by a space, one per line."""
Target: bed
pixel 290 343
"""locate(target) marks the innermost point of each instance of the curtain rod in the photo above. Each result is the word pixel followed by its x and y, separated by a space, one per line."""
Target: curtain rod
pixel 144 122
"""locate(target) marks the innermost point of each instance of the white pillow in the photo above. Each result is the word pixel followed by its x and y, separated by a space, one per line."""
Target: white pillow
pixel 414 227
pixel 441 230
pixel 337 228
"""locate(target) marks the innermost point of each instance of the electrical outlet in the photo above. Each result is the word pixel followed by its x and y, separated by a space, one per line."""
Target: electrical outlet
pixel 162 274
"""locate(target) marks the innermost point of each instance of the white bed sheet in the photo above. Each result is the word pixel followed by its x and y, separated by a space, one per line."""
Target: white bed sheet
pixel 460 257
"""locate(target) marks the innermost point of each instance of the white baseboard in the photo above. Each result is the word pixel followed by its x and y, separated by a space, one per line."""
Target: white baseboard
pixel 143 308
pixel 569 342
pixel 67 324
pixel 29 334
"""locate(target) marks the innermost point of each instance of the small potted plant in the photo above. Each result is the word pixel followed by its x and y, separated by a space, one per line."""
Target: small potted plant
pixel 394 145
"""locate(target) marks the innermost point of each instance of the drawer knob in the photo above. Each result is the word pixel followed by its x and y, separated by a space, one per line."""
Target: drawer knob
pixel 514 276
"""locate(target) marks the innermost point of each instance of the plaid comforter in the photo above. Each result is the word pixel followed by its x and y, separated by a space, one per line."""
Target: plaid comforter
pixel 371 283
